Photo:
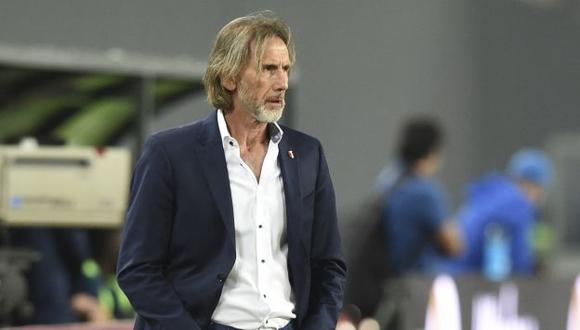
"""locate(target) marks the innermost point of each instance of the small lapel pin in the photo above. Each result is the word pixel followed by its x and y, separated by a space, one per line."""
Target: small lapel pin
pixel 291 154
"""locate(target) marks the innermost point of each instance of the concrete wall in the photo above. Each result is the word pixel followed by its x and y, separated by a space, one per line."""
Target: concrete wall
pixel 529 76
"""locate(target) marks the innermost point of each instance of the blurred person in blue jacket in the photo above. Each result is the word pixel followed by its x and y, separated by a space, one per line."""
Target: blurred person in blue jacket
pixel 507 204
pixel 398 230
pixel 413 220
pixel 415 209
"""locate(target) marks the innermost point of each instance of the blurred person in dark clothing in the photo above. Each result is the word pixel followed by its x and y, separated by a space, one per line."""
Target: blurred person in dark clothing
pixel 64 283
pixel 412 214
pixel 414 204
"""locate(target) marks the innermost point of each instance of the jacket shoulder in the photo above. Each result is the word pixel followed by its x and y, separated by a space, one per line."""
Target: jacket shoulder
pixel 300 139
pixel 172 135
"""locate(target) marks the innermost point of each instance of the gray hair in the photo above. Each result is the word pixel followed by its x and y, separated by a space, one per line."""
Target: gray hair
pixel 231 52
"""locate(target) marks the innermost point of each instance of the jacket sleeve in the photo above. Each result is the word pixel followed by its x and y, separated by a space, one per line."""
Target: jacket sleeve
pixel 521 246
pixel 328 269
pixel 146 240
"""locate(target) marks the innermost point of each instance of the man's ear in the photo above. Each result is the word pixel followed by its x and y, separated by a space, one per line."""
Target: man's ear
pixel 229 84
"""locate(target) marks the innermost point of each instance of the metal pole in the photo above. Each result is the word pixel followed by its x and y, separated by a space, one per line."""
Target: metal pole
pixel 145 108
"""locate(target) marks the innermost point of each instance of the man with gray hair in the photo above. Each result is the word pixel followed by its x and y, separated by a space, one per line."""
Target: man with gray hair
pixel 232 219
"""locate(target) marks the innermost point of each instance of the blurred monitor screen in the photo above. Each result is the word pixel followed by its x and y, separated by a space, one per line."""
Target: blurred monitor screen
pixel 63 186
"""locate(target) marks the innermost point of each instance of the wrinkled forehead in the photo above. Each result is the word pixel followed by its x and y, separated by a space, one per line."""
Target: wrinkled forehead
pixel 258 50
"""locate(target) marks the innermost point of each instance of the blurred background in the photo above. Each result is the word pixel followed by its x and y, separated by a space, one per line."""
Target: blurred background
pixel 498 74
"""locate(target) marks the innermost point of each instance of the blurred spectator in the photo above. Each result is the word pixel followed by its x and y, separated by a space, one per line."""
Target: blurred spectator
pixel 64 283
pixel 414 214
pixel 410 225
pixel 504 207
pixel 414 205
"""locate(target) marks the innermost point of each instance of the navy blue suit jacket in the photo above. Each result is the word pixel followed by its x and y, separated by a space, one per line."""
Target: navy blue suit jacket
pixel 178 241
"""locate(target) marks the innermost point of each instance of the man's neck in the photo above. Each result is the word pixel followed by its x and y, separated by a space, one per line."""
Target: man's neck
pixel 246 129
pixel 422 170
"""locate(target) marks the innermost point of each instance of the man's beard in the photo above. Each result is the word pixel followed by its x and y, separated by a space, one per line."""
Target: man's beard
pixel 259 112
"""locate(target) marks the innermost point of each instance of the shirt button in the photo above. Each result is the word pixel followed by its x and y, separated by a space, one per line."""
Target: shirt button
pixel 263 261
pixel 264 296
pixel 232 143
pixel 260 226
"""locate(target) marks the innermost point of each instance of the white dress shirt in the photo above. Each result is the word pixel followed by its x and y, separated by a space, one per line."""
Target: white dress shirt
pixel 257 293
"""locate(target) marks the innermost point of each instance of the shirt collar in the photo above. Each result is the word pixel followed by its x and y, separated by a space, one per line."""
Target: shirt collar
pixel 223 127
pixel 274 130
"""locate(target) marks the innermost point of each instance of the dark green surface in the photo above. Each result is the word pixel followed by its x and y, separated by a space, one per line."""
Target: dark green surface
pixel 87 109
pixel 96 123
pixel 26 117
pixel 95 83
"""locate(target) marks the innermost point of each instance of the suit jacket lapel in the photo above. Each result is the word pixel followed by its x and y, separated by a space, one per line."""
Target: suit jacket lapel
pixel 291 177
pixel 212 158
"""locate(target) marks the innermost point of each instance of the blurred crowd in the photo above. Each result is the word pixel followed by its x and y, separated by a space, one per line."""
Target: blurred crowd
pixel 409 228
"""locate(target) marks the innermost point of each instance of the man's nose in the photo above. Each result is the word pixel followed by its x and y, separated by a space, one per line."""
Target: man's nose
pixel 281 83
